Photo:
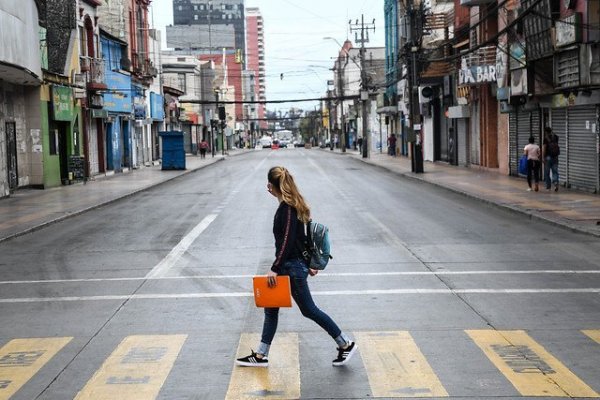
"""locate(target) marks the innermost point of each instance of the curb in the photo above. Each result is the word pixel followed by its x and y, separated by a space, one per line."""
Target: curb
pixel 102 204
pixel 508 207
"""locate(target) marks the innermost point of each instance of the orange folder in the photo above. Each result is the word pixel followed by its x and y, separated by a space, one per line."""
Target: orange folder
pixel 276 296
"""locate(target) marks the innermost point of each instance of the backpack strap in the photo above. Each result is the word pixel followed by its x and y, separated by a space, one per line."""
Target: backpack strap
pixel 303 246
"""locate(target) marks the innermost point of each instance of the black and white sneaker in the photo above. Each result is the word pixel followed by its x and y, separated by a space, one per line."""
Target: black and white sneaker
pixel 344 355
pixel 252 361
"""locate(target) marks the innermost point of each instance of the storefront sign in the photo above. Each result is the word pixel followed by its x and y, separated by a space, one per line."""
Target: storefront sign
pixel 477 75
pixel 157 108
pixel 62 103
pixel 118 98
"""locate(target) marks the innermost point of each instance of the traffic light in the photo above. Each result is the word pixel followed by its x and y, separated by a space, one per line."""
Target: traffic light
pixel 222 114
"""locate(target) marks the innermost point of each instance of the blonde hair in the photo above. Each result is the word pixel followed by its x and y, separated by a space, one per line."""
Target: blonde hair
pixel 283 182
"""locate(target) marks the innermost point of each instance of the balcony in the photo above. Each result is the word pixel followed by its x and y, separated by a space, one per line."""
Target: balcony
pixel 482 56
pixel 577 67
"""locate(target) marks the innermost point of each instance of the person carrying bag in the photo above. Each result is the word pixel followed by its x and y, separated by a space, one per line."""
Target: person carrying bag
pixel 288 228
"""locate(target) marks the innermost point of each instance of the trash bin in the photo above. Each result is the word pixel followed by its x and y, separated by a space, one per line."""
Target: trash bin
pixel 173 152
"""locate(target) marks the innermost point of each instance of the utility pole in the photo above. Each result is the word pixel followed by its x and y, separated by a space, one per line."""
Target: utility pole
pixel 364 87
pixel 413 47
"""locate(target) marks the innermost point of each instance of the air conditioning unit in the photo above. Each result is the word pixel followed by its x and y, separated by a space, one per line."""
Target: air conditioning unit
pixel 518 82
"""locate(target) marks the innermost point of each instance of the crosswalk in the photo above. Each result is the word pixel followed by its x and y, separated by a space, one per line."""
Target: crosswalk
pixel 392 361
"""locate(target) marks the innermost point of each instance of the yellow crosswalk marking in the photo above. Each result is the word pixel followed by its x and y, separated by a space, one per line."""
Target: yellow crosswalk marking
pixel 281 380
pixel 396 367
pixel 528 366
pixel 594 334
pixel 20 359
pixel 136 370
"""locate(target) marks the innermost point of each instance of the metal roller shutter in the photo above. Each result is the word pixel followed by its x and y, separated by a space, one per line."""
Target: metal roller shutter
pixel 523 130
pixel 581 144
pixel 559 127
pixel 461 141
pixel 474 135
pixel 513 152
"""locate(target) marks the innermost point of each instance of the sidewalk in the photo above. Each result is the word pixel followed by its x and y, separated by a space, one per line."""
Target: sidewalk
pixel 30 209
pixel 579 211
pixel 27 210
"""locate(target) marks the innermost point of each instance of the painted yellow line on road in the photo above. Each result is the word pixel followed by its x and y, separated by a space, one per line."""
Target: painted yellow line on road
pixel 136 370
pixel 594 334
pixel 281 380
pixel 528 366
pixel 21 359
pixel 396 367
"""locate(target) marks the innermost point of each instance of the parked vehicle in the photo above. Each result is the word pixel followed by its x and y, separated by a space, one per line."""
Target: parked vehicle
pixel 265 142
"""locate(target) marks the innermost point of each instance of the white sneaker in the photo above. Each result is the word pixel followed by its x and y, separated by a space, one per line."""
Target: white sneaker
pixel 344 355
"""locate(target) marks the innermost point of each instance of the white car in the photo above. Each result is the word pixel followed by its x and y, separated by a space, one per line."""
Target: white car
pixel 265 141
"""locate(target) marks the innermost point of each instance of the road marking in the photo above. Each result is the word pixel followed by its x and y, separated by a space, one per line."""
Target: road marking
pixel 322 274
pixel 21 359
pixel 136 370
pixel 175 255
pixel 196 295
pixel 593 334
pixel 396 367
pixel 281 380
pixel 528 366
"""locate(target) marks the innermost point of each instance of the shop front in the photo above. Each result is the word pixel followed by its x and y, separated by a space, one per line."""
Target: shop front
pixel 64 139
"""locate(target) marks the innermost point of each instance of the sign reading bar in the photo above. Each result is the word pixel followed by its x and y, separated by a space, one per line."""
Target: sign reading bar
pixel 477 75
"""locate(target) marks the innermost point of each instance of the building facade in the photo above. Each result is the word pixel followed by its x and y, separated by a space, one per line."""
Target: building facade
pixel 255 41
pixel 21 53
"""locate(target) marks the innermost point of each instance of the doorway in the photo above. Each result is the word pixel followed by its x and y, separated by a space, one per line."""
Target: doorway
pixel 11 156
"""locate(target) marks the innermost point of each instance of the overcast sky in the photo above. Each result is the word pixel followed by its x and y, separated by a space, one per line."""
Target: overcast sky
pixel 294 44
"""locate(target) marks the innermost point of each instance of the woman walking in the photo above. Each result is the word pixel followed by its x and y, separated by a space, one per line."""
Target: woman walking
pixel 533 152
pixel 288 228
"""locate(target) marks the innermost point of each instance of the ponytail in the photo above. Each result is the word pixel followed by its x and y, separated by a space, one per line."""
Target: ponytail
pixel 283 181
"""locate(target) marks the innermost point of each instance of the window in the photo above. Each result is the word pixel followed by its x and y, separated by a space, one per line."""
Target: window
pixel 180 8
pixel 230 16
pixel 195 17
pixel 82 42
pixel 202 7
pixel 195 7
pixel 54 142
pixel 224 16
pixel 181 78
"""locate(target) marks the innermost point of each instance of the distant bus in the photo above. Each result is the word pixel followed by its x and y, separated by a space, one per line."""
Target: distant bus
pixel 284 135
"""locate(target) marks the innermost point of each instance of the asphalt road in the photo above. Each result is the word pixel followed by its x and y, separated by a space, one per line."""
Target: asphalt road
pixel 150 297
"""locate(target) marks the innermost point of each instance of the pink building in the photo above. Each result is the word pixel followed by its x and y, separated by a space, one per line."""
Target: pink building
pixel 256 57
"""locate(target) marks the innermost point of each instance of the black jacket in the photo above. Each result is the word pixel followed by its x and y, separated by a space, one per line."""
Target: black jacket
pixel 288 231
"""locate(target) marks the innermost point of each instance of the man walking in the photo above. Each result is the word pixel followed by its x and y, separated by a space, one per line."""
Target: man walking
pixel 551 152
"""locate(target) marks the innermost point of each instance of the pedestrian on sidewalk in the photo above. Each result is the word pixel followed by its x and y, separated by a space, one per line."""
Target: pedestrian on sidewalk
pixel 550 153
pixel 288 228
pixel 203 148
pixel 392 145
pixel 533 153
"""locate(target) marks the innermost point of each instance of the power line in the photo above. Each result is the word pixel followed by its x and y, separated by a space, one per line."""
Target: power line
pixel 335 98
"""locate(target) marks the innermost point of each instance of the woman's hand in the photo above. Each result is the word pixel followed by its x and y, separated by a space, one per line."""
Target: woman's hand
pixel 271 278
pixel 313 272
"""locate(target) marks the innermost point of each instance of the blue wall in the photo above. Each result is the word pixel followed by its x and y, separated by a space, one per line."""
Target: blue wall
pixel 391 46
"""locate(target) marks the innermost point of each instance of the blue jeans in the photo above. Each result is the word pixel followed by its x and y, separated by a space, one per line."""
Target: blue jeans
pixel 298 273
pixel 551 166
